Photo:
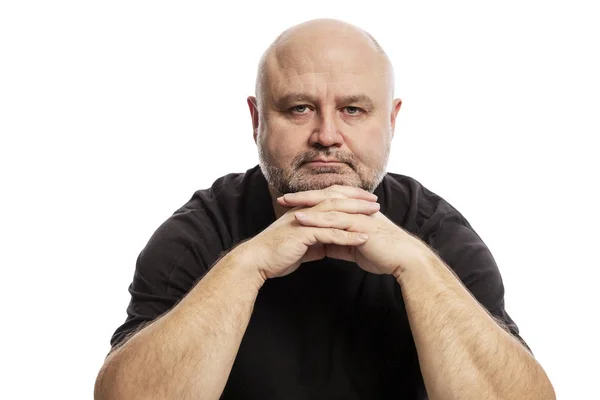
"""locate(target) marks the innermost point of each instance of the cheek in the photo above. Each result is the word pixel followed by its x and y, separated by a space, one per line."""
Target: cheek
pixel 369 145
pixel 283 144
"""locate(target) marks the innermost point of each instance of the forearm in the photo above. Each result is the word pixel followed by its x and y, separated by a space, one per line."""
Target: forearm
pixel 187 353
pixel 463 353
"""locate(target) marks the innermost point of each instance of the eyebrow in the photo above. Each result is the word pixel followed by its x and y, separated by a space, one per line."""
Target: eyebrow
pixel 349 99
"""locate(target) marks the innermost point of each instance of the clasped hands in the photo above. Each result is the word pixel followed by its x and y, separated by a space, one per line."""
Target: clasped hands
pixel 339 222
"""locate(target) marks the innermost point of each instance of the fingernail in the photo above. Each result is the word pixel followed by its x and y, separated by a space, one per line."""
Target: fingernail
pixel 301 215
pixel 363 236
pixel 373 206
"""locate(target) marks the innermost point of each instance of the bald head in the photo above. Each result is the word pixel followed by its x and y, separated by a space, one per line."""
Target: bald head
pixel 324 90
pixel 318 46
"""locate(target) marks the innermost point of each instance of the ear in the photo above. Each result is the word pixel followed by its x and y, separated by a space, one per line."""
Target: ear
pixel 395 109
pixel 252 104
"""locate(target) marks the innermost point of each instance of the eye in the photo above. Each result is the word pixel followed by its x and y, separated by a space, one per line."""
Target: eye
pixel 353 110
pixel 299 109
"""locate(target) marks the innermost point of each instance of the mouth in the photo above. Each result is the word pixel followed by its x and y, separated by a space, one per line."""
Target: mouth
pixel 320 163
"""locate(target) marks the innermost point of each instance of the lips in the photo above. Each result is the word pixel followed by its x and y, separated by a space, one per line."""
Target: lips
pixel 326 163
pixel 320 160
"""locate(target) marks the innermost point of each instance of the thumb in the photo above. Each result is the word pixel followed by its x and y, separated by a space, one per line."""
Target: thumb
pixel 314 253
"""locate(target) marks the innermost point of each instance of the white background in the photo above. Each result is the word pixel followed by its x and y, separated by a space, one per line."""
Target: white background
pixel 113 113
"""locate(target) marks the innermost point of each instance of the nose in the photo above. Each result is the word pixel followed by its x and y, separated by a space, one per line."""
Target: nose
pixel 326 132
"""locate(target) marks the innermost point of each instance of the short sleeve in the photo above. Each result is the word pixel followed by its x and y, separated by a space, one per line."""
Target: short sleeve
pixel 174 259
pixel 457 243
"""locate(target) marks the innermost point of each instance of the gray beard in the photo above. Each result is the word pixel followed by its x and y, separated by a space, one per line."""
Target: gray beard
pixel 289 180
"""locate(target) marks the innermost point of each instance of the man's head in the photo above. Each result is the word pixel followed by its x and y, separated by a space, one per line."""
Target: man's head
pixel 324 91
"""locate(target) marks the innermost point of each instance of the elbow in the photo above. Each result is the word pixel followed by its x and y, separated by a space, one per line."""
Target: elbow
pixel 101 391
pixel 106 386
pixel 542 391
pixel 109 384
pixel 117 381
pixel 548 393
pixel 546 390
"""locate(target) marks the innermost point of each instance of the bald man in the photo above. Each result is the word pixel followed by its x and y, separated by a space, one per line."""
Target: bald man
pixel 316 274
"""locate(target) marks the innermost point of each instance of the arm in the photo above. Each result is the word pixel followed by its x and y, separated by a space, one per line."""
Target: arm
pixel 188 352
pixel 463 353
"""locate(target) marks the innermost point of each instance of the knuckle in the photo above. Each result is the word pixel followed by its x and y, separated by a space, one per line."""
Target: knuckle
pixel 368 204
pixel 335 232
pixel 331 216
pixel 352 235
pixel 335 191
pixel 326 204
pixel 336 202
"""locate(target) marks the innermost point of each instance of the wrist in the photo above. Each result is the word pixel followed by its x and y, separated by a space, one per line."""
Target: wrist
pixel 243 258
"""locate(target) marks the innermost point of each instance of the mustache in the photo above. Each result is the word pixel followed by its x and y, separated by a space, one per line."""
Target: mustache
pixel 346 158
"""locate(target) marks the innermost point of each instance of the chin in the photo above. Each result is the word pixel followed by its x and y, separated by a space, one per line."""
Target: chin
pixel 303 182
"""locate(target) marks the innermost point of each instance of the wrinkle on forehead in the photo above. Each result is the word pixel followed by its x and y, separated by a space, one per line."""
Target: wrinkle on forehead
pixel 318 76
pixel 319 83
pixel 326 84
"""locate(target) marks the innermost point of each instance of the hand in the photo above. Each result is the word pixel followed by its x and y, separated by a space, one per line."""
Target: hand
pixel 285 244
pixel 389 249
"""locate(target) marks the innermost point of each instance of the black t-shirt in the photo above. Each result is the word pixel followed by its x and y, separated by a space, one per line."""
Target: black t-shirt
pixel 329 330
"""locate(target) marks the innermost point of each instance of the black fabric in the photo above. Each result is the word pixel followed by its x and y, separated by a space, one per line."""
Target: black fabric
pixel 329 330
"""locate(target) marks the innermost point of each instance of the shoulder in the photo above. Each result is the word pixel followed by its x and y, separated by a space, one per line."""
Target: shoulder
pixel 442 227
pixel 222 191
pixel 414 206
pixel 202 227
pixel 433 220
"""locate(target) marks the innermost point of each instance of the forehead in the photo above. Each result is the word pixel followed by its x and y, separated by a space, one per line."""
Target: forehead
pixel 325 70
pixel 328 84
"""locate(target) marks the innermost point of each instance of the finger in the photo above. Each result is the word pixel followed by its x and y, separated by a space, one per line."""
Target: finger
pixel 350 206
pixel 345 253
pixel 333 236
pixel 332 219
pixel 312 197
pixel 352 192
pixel 307 199
pixel 314 253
